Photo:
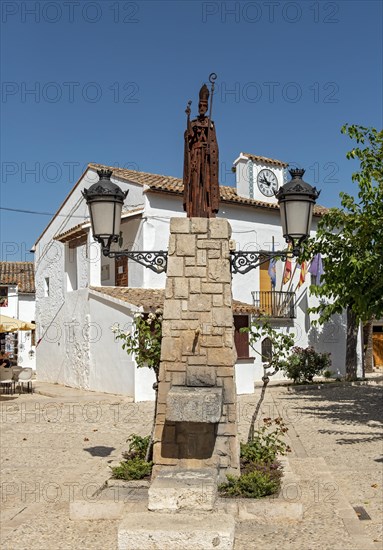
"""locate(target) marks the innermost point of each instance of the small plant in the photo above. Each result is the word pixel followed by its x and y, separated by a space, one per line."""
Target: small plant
pixel 304 364
pixel 135 466
pixel 266 444
pixel 144 340
pixel 137 447
pixel 327 374
pixel 254 484
pixel 261 472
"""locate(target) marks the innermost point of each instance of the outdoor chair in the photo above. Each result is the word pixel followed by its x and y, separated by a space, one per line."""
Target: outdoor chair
pixel 6 379
pixel 25 379
pixel 15 377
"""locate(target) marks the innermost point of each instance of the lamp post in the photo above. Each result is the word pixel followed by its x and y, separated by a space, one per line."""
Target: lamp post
pixel 296 200
pixel 105 199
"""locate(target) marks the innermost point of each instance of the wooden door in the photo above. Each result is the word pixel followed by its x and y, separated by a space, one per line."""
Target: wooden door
pixel 241 339
pixel 121 272
pixel 377 339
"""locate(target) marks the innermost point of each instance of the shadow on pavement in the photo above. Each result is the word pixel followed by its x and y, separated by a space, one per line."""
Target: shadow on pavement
pixel 348 405
pixel 100 450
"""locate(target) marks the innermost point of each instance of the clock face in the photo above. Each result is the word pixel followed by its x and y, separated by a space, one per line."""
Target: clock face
pixel 267 182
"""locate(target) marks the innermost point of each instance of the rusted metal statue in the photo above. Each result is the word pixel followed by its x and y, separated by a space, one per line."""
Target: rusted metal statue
pixel 201 187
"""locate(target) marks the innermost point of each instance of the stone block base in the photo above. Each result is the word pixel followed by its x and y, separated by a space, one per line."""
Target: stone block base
pixel 153 531
pixel 194 404
pixel 175 490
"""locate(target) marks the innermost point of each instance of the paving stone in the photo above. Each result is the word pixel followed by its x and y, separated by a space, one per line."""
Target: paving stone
pixel 81 510
pixel 340 426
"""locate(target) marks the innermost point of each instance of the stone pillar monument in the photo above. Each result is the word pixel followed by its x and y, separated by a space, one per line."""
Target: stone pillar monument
pixel 196 416
pixel 195 437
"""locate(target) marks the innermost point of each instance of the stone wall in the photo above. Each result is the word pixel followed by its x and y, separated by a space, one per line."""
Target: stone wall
pixel 196 416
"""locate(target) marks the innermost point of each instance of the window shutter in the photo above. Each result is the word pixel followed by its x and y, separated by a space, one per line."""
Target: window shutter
pixel 241 339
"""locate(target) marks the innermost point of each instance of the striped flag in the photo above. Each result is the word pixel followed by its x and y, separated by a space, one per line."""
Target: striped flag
pixel 288 268
pixel 302 277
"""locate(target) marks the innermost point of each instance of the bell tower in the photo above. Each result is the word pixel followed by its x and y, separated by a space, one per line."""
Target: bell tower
pixel 259 177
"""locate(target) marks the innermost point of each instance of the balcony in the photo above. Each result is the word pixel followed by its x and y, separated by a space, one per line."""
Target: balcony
pixel 278 305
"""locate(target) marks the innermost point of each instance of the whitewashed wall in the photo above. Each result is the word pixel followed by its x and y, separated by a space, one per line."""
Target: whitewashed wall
pixel 253 230
pixel 63 352
pixel 68 353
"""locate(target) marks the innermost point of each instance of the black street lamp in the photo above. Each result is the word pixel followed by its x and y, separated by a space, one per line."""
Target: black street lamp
pixel 105 199
pixel 296 201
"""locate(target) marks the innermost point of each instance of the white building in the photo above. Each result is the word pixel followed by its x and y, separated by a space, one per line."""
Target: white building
pixel 17 300
pixel 80 293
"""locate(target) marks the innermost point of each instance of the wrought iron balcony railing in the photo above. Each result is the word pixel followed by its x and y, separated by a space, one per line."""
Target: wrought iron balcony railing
pixel 276 304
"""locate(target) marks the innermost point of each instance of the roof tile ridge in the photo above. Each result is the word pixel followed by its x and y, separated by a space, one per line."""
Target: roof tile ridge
pixel 121 169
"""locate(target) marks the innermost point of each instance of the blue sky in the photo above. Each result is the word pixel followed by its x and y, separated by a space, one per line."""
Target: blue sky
pixel 108 82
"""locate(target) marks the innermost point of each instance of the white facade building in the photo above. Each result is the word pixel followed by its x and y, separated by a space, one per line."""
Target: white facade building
pixel 17 300
pixel 80 294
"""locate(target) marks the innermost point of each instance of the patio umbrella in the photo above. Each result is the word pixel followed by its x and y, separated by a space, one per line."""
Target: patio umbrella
pixel 8 324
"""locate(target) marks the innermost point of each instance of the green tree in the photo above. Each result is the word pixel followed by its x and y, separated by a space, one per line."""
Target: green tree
pixel 350 239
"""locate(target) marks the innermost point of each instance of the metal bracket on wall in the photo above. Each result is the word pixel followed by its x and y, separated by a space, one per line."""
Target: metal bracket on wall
pixel 157 261
pixel 243 262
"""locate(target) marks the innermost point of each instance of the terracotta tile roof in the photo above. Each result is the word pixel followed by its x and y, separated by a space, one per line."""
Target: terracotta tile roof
pixel 132 212
pixel 148 298
pixel 266 160
pixel 169 184
pixel 82 229
pixel 18 273
pixel 244 308
pixel 153 298
pixel 75 232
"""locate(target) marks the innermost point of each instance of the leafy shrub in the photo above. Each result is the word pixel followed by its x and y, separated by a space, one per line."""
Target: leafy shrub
pixel 266 444
pixel 143 340
pixel 304 364
pixel 261 473
pixel 256 483
pixel 137 447
pixel 135 466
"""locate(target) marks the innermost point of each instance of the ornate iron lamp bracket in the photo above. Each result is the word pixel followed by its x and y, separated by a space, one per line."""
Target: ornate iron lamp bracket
pixel 243 262
pixel 157 261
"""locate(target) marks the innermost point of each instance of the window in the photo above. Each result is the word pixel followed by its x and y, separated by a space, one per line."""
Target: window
pixel 46 287
pixel 241 339
pixel 3 296
pixel 121 271
pixel 266 350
